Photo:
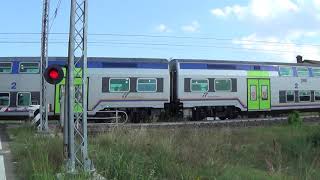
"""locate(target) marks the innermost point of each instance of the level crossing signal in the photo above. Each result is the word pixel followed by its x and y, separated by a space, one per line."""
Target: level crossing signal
pixel 53 74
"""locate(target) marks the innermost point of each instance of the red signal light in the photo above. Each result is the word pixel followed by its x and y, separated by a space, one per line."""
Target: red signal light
pixel 53 74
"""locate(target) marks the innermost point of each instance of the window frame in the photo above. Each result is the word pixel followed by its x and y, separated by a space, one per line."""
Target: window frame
pixel 313 74
pixel 137 85
pixel 9 99
pixel 300 96
pixel 256 90
pixel 118 91
pixel 292 71
pixel 28 72
pixel 199 80
pixel 17 100
pixel 294 97
pixel 308 72
pixel 10 68
pixel 262 98
pixel 215 87
pixel 314 98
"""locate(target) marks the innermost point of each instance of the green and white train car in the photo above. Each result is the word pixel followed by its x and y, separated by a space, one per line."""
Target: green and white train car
pixel 158 88
pixel 202 88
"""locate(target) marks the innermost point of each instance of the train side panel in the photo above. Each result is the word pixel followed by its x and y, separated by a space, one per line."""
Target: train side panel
pixel 281 86
pixel 101 95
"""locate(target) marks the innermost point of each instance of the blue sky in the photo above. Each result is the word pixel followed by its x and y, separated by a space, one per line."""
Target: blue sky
pixel 260 30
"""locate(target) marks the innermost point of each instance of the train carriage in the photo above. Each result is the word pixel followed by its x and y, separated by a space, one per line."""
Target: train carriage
pixel 191 89
pixel 19 85
pixel 202 88
pixel 139 86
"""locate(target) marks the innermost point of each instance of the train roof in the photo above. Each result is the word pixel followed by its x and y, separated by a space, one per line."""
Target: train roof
pixel 165 61
pixel 99 59
pixel 305 63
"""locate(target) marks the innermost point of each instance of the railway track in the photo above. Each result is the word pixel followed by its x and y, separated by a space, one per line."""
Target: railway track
pixel 94 128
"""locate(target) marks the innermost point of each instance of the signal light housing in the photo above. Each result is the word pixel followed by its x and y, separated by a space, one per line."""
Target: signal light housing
pixel 53 74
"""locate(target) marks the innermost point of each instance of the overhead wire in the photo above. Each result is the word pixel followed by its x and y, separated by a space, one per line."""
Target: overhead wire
pixel 171 37
pixel 106 43
pixel 131 43
pixel 99 40
pixel 54 16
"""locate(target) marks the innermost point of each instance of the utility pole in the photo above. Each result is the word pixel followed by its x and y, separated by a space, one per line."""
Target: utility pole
pixel 43 66
pixel 77 95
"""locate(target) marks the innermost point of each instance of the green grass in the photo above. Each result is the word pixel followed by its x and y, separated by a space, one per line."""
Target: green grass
pixel 39 157
pixel 281 152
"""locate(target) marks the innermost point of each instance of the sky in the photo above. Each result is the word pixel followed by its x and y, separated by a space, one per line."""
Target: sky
pixel 247 30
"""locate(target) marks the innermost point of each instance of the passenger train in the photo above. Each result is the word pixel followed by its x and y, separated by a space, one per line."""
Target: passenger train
pixel 157 89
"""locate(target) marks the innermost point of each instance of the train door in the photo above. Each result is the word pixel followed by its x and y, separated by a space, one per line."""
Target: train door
pixel 58 94
pixel 259 94
pixel 265 99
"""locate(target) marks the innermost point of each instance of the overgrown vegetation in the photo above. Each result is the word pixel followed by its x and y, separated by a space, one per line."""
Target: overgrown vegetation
pixel 282 152
pixel 294 119
pixel 38 156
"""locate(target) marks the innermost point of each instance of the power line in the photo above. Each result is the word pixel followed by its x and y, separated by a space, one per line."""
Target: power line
pixel 95 43
pixel 173 37
pixel 53 17
pixel 99 40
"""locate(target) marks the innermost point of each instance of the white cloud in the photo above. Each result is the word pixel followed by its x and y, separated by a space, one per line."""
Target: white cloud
pixel 284 48
pixel 236 10
pixel 261 9
pixel 162 28
pixel 271 8
pixel 298 34
pixel 193 27
pixel 316 5
pixel 219 12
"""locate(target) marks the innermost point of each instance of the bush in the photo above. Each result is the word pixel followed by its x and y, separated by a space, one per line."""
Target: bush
pixel 294 119
pixel 314 139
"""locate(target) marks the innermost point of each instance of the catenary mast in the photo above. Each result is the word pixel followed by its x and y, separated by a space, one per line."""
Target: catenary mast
pixel 77 94
pixel 43 127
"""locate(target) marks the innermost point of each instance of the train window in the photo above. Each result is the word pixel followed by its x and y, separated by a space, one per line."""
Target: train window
pixel 24 99
pixel 200 85
pixel 303 72
pixel 4 99
pixel 264 92
pixel 222 84
pixel 119 84
pixel 285 71
pixel 29 68
pixel 304 96
pixel 317 95
pixel 290 96
pixel 253 93
pixel 147 85
pixel 5 67
pixel 316 72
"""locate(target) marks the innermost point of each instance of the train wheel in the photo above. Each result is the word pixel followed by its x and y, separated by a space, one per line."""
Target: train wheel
pixel 234 115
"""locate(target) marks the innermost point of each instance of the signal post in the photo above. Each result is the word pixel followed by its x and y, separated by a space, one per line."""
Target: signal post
pixel 75 112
